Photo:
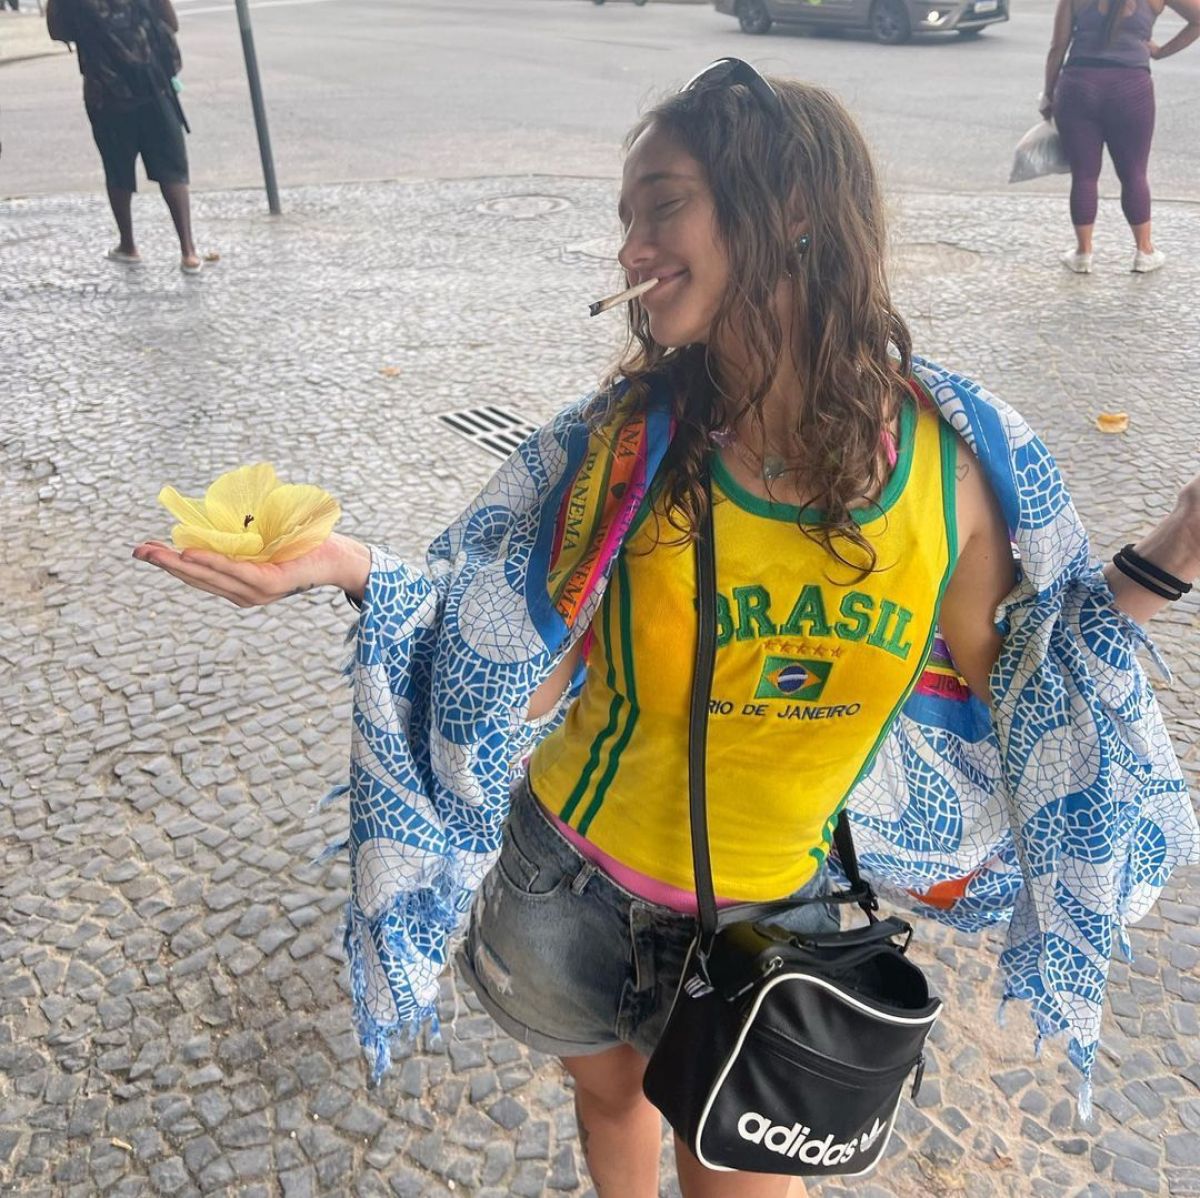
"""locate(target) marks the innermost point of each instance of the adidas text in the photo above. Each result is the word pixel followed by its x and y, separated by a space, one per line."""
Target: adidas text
pixel 795 1141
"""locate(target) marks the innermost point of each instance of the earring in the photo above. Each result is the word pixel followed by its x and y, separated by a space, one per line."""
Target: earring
pixel 801 244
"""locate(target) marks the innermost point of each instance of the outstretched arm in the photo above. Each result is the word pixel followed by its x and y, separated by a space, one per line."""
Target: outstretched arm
pixel 985 573
pixel 341 561
pixel 1173 545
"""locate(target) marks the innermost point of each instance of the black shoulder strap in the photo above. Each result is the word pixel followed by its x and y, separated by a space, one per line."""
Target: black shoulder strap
pixel 706 646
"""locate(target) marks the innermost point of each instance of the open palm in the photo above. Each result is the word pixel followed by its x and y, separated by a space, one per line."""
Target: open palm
pixel 248 584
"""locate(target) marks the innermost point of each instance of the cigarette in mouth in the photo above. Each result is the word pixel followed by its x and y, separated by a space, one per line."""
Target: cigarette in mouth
pixel 613 300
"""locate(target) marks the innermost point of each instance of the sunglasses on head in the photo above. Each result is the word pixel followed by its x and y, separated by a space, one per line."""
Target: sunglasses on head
pixel 726 72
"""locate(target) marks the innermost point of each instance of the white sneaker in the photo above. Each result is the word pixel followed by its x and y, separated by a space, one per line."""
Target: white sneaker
pixel 1081 264
pixel 1143 264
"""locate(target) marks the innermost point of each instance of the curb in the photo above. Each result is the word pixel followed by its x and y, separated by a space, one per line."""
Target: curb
pixel 383 180
pixel 4 62
pixel 984 193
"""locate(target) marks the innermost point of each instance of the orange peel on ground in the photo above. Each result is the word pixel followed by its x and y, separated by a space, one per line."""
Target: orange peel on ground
pixel 249 515
pixel 1112 422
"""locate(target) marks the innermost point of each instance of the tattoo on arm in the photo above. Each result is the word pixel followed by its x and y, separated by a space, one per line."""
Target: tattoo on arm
pixel 964 468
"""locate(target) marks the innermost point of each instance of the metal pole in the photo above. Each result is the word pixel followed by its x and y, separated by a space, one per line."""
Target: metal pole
pixel 260 111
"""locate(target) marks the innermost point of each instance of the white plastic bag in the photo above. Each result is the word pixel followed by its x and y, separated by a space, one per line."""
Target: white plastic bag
pixel 1039 152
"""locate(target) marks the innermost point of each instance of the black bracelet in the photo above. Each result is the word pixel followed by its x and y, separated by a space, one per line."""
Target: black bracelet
pixel 1156 572
pixel 1144 580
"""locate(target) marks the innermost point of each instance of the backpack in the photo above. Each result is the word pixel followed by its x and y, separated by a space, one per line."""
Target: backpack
pixel 131 52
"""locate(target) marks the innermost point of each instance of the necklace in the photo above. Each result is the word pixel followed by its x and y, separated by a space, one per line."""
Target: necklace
pixel 768 466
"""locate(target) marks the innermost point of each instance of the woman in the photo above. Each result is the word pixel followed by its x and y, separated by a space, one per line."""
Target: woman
pixel 1105 96
pixel 850 521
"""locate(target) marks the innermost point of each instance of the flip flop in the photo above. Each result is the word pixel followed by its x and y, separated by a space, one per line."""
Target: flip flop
pixel 191 270
pixel 119 255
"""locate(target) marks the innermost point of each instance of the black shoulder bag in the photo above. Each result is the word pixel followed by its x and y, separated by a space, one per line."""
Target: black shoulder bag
pixel 784 1052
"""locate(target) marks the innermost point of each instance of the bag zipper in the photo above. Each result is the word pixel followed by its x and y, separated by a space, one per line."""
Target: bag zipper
pixel 838 1071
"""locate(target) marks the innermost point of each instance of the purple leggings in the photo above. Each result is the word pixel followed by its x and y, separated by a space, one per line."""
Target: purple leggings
pixel 1113 106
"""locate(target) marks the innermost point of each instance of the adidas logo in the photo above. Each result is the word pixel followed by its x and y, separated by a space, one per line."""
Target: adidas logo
pixel 795 1141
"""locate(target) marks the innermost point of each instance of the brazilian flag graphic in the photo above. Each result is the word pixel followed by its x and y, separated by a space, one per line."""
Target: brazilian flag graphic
pixel 792 678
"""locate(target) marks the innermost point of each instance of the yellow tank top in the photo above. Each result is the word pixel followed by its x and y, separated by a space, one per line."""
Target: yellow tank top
pixel 812 667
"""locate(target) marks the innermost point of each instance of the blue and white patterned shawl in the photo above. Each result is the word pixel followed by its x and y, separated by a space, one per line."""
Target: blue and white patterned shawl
pixel 1063 806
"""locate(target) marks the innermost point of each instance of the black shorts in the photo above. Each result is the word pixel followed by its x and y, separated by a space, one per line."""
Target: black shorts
pixel 152 130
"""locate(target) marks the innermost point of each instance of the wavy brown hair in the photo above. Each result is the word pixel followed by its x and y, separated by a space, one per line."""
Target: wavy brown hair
pixel 764 175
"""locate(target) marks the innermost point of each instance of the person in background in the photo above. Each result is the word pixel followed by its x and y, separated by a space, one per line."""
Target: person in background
pixel 129 58
pixel 1104 95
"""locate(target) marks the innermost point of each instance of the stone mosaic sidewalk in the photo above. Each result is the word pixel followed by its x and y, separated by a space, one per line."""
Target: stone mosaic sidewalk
pixel 173 1017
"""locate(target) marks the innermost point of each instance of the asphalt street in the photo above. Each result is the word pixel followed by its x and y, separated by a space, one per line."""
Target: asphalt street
pixel 381 89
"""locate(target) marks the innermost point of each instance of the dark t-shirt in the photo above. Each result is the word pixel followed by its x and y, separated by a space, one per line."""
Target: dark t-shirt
pixel 127 48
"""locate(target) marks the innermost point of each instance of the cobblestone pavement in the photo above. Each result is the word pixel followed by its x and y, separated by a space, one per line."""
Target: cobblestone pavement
pixel 173 1017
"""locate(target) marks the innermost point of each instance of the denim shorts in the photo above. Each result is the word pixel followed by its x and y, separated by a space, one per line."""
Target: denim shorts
pixel 570 963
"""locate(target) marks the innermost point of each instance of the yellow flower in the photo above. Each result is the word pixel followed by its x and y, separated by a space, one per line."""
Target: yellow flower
pixel 249 515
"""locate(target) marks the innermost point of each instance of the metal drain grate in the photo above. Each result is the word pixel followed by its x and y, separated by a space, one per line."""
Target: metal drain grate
pixel 494 430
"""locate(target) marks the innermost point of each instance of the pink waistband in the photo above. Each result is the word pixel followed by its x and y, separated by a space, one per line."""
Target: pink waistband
pixel 640 884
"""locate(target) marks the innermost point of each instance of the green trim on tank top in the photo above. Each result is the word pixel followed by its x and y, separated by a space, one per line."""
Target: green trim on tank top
pixel 633 708
pixel 793 514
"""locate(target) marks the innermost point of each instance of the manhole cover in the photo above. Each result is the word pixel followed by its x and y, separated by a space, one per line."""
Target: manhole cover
pixel 495 430
pixel 526 207
pixel 940 256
